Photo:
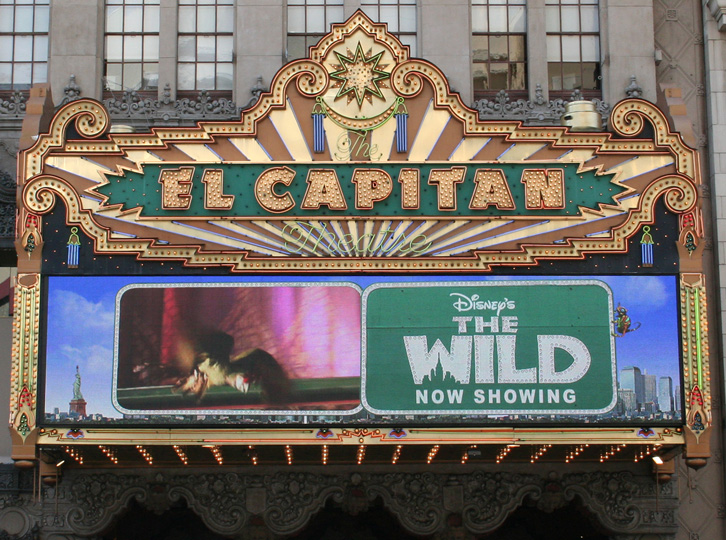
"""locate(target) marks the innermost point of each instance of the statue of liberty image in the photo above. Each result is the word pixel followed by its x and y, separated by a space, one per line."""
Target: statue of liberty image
pixel 77 386
pixel 78 404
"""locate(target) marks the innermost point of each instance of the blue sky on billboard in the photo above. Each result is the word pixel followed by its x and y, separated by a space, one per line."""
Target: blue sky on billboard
pixel 81 310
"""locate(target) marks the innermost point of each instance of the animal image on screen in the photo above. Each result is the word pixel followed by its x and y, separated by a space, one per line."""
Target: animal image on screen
pixel 251 347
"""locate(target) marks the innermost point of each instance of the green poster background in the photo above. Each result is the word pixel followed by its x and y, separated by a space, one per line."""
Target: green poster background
pixel 580 309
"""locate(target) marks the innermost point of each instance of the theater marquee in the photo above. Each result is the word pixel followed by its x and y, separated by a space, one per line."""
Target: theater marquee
pixel 382 255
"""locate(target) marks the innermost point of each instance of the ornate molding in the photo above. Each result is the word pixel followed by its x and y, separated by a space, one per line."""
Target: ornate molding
pixel 718 12
pixel 491 497
pixel 292 498
pixel 13 106
pixel 532 112
pixel 134 106
pixel 281 503
pixel 7 206
pixel 96 499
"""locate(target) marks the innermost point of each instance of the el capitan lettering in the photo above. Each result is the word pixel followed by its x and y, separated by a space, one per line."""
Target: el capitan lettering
pixel 253 190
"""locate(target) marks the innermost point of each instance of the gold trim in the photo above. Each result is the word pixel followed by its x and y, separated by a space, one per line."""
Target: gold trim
pixel 24 371
pixel 353 435
pixel 695 352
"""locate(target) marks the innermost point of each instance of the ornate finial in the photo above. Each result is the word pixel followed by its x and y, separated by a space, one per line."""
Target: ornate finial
pixel 71 91
pixel 256 91
pixel 633 90
pixel 203 97
pixel 538 95
pixel 166 94
pixel 576 95
pixel 258 88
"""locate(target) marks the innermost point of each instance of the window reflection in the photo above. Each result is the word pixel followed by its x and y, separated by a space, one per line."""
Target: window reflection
pixel 400 15
pixel 499 45
pixel 308 21
pixel 573 45
pixel 23 43
pixel 205 45
pixel 131 58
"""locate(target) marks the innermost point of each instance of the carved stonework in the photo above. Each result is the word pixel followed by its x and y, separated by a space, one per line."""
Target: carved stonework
pixel 292 498
pixel 96 499
pixel 633 90
pixel 7 207
pixel 276 504
pixel 491 497
pixel 204 106
pixel 133 106
pixel 535 112
pixel 12 106
pixel 71 92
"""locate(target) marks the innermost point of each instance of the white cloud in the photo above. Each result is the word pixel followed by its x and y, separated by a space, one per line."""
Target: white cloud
pixel 93 359
pixel 73 314
pixel 647 291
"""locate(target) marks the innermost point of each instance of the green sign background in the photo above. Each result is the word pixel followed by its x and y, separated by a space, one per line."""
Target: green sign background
pixel 580 309
pixel 142 190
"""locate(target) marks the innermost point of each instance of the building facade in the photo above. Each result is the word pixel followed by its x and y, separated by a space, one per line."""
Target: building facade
pixel 157 64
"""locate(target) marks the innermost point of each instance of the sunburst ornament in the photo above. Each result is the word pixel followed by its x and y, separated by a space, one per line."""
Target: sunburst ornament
pixel 359 76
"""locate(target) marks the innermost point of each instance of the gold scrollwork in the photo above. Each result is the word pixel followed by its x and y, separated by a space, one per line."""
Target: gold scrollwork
pixel 680 195
pixel 91 120
pixel 628 119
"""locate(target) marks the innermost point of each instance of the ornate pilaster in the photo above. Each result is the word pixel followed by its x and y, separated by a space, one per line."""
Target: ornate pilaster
pixel 696 368
pixel 24 371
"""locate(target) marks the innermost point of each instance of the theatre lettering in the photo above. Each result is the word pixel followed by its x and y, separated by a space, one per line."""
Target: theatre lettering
pixel 376 189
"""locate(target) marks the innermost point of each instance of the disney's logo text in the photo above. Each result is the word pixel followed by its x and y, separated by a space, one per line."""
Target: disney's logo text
pixel 469 303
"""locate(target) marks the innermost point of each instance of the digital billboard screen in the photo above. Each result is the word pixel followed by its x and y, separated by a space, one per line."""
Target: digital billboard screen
pixel 362 350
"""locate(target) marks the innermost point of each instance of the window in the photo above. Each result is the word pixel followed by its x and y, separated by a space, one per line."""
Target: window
pixel 23 43
pixel 308 21
pixel 400 16
pixel 205 45
pixel 132 45
pixel 499 45
pixel 573 45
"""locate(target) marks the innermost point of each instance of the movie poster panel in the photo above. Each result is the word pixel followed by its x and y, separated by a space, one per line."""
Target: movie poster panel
pixel 253 347
pixel 362 349
pixel 494 347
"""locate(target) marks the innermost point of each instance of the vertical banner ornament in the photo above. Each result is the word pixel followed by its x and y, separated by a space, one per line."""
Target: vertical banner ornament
pixel 696 369
pixel 318 115
pixel 401 114
pixel 74 247
pixel 24 373
pixel 646 248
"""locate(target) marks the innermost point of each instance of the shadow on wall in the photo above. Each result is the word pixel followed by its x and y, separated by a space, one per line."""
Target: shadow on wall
pixel 369 521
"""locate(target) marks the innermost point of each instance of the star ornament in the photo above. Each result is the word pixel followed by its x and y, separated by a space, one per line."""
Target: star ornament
pixel 358 75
